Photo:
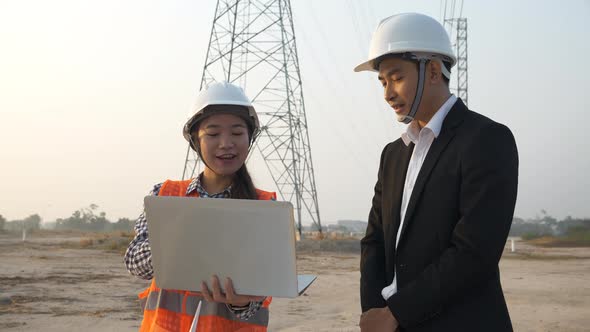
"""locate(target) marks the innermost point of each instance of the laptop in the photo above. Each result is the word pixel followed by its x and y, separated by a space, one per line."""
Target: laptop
pixel 250 241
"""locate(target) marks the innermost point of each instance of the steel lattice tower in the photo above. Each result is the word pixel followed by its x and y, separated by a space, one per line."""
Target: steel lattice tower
pixel 462 78
pixel 457 28
pixel 252 44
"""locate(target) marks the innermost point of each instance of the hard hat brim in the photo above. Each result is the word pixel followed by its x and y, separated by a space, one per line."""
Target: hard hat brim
pixel 365 66
pixel 369 65
pixel 245 112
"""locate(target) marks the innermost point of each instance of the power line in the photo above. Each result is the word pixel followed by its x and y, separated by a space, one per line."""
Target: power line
pixel 334 73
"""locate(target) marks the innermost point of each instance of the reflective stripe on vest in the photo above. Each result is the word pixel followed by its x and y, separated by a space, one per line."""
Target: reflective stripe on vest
pixel 172 301
pixel 173 310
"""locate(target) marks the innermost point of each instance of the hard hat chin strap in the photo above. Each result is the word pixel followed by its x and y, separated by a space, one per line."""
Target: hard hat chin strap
pixel 419 91
pixel 197 147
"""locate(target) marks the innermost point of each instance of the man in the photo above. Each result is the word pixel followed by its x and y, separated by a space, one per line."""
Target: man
pixel 444 198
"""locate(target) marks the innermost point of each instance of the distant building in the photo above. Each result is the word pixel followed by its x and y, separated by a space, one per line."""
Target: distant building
pixel 355 226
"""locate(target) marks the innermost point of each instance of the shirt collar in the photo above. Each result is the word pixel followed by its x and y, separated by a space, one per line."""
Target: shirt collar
pixel 434 125
pixel 196 185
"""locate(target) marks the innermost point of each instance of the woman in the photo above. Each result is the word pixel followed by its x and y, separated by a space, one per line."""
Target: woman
pixel 221 131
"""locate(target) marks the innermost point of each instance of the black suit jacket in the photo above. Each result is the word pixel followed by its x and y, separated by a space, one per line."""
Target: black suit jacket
pixel 454 232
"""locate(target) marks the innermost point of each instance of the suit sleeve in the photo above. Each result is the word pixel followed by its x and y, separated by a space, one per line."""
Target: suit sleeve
pixel 489 178
pixel 373 252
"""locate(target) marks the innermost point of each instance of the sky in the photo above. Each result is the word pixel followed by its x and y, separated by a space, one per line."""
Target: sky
pixel 93 96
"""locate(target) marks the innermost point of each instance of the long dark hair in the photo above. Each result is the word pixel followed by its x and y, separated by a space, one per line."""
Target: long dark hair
pixel 242 185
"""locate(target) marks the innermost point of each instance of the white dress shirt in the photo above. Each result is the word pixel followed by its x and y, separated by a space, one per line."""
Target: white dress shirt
pixel 422 140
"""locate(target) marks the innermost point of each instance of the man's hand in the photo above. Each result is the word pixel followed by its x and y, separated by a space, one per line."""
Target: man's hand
pixel 230 296
pixel 378 320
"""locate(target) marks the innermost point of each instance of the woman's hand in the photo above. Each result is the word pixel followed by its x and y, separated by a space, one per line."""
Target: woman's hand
pixel 230 296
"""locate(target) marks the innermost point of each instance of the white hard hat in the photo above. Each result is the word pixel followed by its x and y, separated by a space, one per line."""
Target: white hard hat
pixel 226 94
pixel 419 35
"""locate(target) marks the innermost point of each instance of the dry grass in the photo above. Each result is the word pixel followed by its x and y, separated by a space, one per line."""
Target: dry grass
pixel 114 242
pixel 563 242
pixel 86 243
pixel 540 257
pixel 330 236
pixel 349 245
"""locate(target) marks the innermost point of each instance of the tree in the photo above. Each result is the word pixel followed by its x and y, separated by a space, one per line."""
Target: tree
pixel 99 223
pixel 2 222
pixel 124 224
pixel 32 222
pixel 85 219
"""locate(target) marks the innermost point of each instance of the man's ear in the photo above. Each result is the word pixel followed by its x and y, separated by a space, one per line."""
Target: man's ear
pixel 434 71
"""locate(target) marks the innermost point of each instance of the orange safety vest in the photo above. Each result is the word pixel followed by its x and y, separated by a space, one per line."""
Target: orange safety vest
pixel 174 310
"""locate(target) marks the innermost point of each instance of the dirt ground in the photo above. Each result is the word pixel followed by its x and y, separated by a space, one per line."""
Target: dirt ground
pixel 49 283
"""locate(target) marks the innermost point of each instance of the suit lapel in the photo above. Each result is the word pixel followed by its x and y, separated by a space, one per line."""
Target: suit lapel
pixel 452 120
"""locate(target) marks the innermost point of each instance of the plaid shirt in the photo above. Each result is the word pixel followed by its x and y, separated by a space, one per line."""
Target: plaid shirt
pixel 138 257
